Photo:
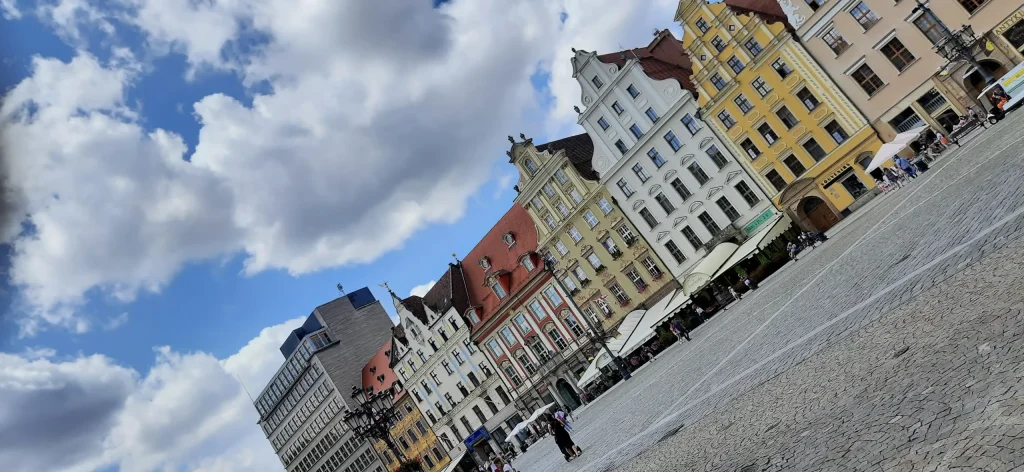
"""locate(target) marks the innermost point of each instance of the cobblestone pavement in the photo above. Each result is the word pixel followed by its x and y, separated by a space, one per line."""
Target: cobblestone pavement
pixel 894 346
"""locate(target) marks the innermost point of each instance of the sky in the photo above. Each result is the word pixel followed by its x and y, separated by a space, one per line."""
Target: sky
pixel 188 179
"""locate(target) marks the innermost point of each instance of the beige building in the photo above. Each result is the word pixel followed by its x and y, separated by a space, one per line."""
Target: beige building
pixel 880 53
pixel 600 257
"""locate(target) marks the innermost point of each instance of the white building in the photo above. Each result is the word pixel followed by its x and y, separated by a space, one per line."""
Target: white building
pixel 670 173
pixel 453 383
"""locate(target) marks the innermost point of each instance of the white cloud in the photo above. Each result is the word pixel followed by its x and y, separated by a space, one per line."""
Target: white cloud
pixel 116 322
pixel 382 118
pixel 504 182
pixel 9 10
pixel 189 411
pixel 421 290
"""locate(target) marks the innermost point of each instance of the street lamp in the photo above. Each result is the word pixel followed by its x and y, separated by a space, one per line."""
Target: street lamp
pixel 549 266
pixel 373 417
pixel 956 46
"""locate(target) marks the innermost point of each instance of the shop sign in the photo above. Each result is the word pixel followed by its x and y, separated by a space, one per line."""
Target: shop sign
pixel 760 220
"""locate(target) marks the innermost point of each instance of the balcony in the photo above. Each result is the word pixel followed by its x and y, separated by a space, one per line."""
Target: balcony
pixel 933 103
pixel 909 124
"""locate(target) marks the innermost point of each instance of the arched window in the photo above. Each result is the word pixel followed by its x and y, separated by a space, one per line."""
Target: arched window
pixel 530 166
pixel 573 324
pixel 525 361
pixel 513 376
pixel 556 336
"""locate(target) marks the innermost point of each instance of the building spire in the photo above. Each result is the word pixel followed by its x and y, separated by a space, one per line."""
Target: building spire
pixel 394 298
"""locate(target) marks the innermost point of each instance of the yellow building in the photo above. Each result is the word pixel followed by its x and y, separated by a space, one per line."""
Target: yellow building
pixel 599 255
pixel 769 100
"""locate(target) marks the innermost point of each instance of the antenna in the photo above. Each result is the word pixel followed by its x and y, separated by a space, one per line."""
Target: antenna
pixel 341 289
pixel 385 286
pixel 243 388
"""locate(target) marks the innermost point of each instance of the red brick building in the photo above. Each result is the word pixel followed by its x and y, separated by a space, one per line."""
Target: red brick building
pixel 521 318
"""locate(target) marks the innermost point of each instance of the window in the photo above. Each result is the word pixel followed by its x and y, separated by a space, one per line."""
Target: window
pixel 672 249
pixel 451 401
pixel 426 458
pixel 502 395
pixel 787 118
pixel 603 306
pixel 718 43
pixel 866 78
pixel 570 284
pixel 692 238
pixel 673 141
pixel 522 324
pixel 633 92
pixel 561 177
pixel 698 173
pixel 763 89
pixel 468 343
pixel 426 386
pixel 691 124
pixel 665 203
pixel 589 311
pixel 730 211
pixel 433 375
pixel 640 172
pixel 726 119
pixel 747 193
pixel 625 188
pixel 594 261
pixel 465 424
pixel 648 217
pixel 794 165
pixel 864 15
pixel 538 310
pixel 782 68
pixel 702 25
pixel 575 194
pixel 433 344
pixel 743 104
pixel 550 220
pixel 510 339
pixel 749 147
pixel 562 208
pixel 560 247
pixel 656 158
pixel 776 180
pixel 898 54
pixel 457 355
pixel 971 5
pixel 490 404
pixel 626 233
pixel 767 133
pixel 618 108
pixel 498 290
pixel 636 131
pixel 528 264
pixel 619 293
pixel 549 190
pixel 753 46
pixel 575 234
pixel 814 149
pixel 709 223
pixel 681 189
pixel 495 348
pixel 590 218
pixel 537 204
pixel 837 132
pixel 735 64
pixel 605 207
pixel 472 377
pixel 405 444
pixel 574 326
pixel 423 357
pixel 637 280
pixel 652 115
pixel 718 81
pixel 835 41
pixel 808 99
pixel 717 157
pixel 556 337
pixel 651 266
pixel 814 4
pixel 530 166
pixel 597 82
pixel 931 27
pixel 621 146
pixel 603 123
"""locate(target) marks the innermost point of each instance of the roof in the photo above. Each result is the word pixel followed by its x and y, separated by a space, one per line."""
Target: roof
pixel 579 149
pixel 663 59
pixel 449 291
pixel 769 10
pixel 377 373
pixel 502 259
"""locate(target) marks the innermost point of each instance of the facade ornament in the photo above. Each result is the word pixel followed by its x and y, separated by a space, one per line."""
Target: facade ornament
pixel 511 139
pixel 576 109
pixel 523 136
pixel 794 16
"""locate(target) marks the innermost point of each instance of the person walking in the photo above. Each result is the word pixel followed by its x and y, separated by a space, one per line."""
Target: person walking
pixel 751 285
pixel 700 312
pixel 905 165
pixel 732 292
pixel 679 330
pixel 562 439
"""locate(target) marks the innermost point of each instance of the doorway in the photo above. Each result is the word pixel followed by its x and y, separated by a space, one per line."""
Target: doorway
pixel 569 396
pixel 820 216
pixel 974 83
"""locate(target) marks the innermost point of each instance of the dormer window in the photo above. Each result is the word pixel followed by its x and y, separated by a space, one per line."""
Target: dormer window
pixel 485 263
pixel 528 263
pixel 473 318
pixel 498 290
pixel 509 239
pixel 530 166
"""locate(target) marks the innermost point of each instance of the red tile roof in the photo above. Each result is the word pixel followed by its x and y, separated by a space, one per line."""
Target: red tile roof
pixel 768 10
pixel 579 149
pixel 376 372
pixel 502 259
pixel 663 59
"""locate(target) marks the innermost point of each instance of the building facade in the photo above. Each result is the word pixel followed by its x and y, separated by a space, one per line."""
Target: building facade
pixel 584 233
pixel 881 54
pixel 411 435
pixel 521 317
pixel 778 109
pixel 302 406
pixel 667 170
pixel 453 384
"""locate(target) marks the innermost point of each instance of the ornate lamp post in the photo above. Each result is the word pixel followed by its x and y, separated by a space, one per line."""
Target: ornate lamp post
pixel 549 266
pixel 956 46
pixel 373 417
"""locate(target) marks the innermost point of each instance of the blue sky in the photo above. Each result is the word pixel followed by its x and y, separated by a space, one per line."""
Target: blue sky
pixel 195 176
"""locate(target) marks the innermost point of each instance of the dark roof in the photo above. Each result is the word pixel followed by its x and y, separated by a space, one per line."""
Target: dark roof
pixel 448 291
pixel 768 10
pixel 663 59
pixel 579 149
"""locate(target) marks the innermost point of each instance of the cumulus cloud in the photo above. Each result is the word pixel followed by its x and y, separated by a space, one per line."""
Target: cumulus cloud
pixel 421 290
pixel 376 120
pixel 189 411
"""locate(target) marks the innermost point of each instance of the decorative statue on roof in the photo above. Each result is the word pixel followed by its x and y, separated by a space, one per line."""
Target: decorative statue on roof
pixel 795 18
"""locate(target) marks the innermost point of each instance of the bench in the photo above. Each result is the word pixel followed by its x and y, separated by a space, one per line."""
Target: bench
pixel 968 127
